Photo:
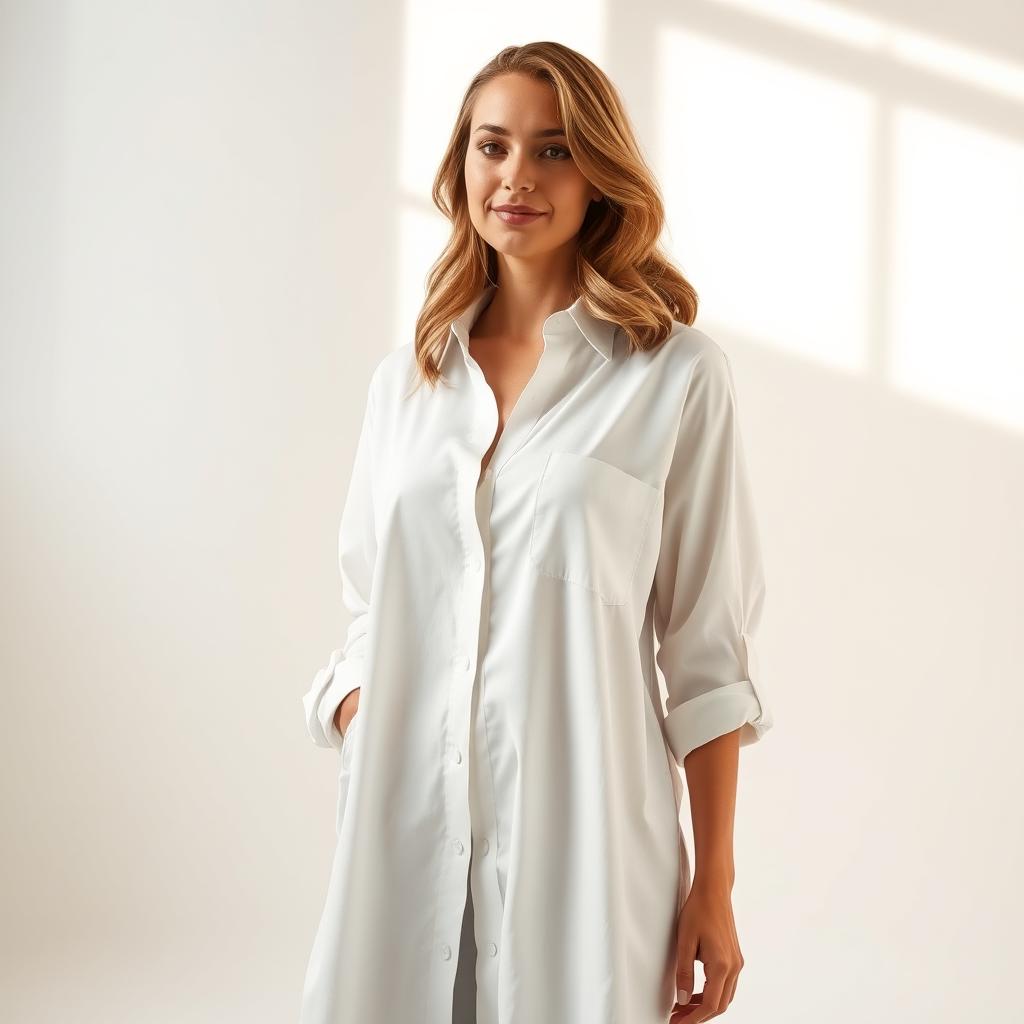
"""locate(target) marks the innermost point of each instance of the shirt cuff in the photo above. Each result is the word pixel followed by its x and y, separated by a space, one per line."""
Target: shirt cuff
pixel 331 687
pixel 740 705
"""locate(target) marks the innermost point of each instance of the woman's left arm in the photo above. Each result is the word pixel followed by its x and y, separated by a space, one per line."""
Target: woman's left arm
pixel 709 593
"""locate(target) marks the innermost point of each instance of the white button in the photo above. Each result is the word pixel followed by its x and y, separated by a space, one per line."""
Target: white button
pixel 462 660
pixel 484 845
pixel 457 757
pixel 475 564
pixel 492 949
pixel 457 846
pixel 466 662
pixel 446 951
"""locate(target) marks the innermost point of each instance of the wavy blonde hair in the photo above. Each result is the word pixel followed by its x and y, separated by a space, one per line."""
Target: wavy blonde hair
pixel 621 272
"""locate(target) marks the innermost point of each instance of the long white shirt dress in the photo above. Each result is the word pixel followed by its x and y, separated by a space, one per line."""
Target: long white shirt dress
pixel 509 791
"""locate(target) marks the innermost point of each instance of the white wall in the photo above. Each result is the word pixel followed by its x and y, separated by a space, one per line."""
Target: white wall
pixel 216 218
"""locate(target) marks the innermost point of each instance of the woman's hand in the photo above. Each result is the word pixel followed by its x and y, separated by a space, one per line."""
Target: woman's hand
pixel 706 932
pixel 346 711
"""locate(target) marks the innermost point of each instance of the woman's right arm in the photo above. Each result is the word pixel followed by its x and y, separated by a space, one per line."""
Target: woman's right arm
pixel 328 709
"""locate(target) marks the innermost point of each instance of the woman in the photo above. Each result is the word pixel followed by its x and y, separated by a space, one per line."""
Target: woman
pixel 568 488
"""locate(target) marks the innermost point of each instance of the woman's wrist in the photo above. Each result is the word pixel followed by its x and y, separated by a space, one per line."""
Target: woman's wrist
pixel 714 876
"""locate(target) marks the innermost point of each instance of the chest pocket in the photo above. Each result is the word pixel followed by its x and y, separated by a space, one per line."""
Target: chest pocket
pixel 589 524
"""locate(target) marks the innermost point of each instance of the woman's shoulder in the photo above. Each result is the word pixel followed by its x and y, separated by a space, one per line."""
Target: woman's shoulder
pixel 392 369
pixel 690 351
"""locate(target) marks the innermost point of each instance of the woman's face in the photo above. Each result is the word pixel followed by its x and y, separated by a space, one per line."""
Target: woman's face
pixel 523 164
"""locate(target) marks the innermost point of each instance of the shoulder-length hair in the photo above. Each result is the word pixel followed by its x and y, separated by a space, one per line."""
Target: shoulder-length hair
pixel 621 273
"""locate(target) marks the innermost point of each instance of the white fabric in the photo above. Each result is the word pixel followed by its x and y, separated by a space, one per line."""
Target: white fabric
pixel 506 630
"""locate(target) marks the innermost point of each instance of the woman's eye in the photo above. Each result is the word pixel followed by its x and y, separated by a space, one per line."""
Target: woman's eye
pixel 561 152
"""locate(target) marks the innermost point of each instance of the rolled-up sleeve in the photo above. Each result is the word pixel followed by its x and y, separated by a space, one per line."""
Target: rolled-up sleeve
pixel 709 582
pixel 357 550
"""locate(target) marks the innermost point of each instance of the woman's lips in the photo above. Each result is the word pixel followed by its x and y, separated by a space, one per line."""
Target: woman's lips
pixel 509 217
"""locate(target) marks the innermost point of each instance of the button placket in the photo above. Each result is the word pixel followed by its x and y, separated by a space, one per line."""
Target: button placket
pixel 464 739
pixel 487 906
pixel 486 910
pixel 459 800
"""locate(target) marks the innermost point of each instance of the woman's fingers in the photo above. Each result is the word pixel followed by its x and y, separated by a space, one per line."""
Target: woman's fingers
pixel 685 1014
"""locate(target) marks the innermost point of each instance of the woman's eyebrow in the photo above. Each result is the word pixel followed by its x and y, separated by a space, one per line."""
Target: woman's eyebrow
pixel 497 129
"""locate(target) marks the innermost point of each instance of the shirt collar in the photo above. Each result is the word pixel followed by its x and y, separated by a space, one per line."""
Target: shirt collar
pixel 574 320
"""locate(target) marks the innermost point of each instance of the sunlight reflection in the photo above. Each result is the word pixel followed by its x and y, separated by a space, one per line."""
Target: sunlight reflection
pixel 958 262
pixel 837 223
pixel 766 171
pixel 950 60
